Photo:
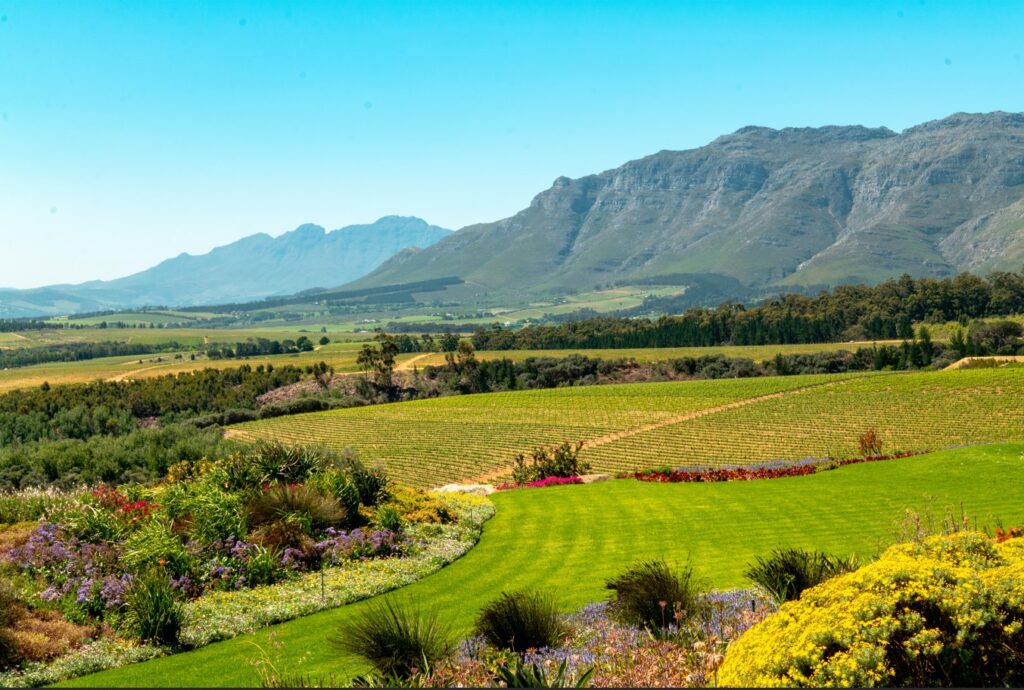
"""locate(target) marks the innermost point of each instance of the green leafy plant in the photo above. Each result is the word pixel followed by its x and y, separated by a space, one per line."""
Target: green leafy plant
pixel 152 543
pixel 264 566
pixel 520 675
pixel 388 517
pixel 785 573
pixel 152 611
pixel 520 621
pixel 397 638
pixel 651 595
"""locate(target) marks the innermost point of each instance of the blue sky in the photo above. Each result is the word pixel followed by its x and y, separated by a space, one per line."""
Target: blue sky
pixel 133 131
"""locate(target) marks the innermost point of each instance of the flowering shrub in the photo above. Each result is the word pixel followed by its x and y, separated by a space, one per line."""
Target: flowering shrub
pixel 948 610
pixel 540 483
pixel 770 470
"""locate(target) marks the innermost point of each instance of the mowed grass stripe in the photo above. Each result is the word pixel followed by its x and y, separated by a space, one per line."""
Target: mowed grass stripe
pixel 917 411
pixel 569 540
pixel 436 441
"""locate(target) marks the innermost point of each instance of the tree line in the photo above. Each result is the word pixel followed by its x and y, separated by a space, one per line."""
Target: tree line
pixel 846 313
pixel 114 408
pixel 76 352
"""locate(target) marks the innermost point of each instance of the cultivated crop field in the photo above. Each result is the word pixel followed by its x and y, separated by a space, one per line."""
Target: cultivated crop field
pixel 432 442
pixel 568 540
pixel 635 426
pixel 918 411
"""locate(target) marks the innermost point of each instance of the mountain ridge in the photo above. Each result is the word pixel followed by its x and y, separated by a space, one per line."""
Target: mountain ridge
pixel 251 268
pixel 773 208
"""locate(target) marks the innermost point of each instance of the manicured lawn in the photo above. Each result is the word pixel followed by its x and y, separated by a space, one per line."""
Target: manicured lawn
pixel 570 539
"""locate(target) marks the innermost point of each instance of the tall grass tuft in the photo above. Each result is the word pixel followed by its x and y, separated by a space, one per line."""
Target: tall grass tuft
pixel 397 638
pixel 785 573
pixel 302 505
pixel 649 594
pixel 152 611
pixel 521 621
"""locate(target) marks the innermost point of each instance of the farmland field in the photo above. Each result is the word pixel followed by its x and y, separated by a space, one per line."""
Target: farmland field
pixel 758 353
pixel 568 540
pixel 634 426
pixel 431 442
pixel 341 356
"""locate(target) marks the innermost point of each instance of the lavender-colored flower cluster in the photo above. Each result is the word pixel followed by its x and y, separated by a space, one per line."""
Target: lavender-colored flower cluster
pixel 356 544
pixel 87 572
pixel 626 656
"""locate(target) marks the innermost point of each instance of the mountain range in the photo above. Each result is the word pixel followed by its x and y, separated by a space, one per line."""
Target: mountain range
pixel 752 212
pixel 252 268
pixel 769 208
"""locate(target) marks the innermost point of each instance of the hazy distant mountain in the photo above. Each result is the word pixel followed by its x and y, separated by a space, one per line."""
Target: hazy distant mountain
pixel 252 268
pixel 790 207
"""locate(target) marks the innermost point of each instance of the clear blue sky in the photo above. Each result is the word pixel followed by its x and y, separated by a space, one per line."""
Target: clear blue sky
pixel 132 131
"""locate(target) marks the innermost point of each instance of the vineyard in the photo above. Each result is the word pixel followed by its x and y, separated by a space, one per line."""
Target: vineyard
pixel 431 442
pixel 634 426
pixel 920 411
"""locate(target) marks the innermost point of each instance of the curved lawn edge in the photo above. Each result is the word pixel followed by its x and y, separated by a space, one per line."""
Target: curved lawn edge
pixel 223 615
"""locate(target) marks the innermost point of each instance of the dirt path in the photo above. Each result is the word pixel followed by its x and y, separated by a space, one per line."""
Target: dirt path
pixel 961 363
pixel 409 363
pixel 133 372
pixel 668 421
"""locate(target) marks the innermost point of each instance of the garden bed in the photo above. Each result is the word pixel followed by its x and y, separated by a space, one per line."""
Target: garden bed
pixel 223 615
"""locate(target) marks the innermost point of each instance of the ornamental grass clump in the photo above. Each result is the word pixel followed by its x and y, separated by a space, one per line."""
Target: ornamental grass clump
pixel 651 595
pixel 521 620
pixel 397 638
pixel 785 573
pixel 945 611
pixel 152 612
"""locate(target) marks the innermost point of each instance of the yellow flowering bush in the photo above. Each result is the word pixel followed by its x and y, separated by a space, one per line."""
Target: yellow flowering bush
pixel 946 611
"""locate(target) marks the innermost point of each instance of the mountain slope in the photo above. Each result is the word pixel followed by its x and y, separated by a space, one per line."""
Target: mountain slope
pixel 790 207
pixel 254 267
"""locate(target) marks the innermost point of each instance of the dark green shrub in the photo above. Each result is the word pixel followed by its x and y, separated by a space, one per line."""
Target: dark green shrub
pixel 651 595
pixel 397 638
pixel 560 461
pixel 152 612
pixel 521 621
pixel 785 573
pixel 520 675
pixel 302 505
pixel 267 463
